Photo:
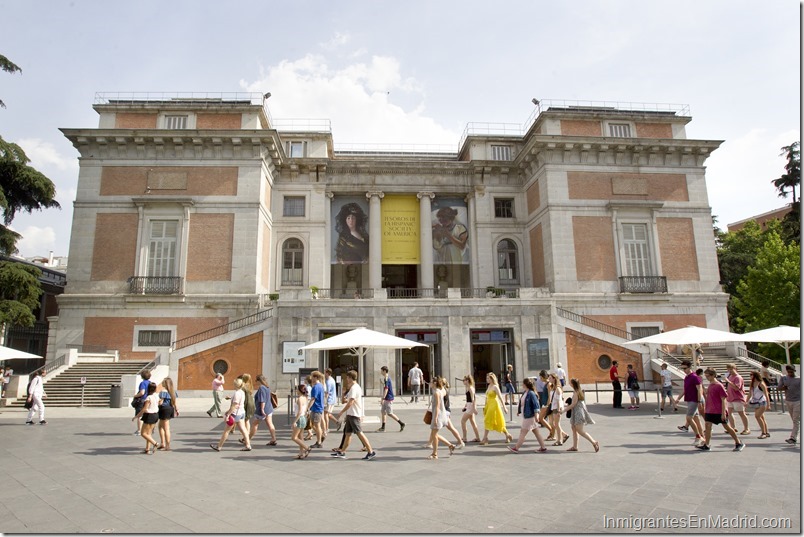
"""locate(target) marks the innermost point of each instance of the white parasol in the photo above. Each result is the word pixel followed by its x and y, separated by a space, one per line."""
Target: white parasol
pixel 783 335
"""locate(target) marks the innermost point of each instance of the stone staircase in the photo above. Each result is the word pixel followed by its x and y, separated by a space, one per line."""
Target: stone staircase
pixel 64 390
pixel 716 358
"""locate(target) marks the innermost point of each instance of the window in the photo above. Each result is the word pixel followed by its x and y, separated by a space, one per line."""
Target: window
pixel 604 362
pixel 507 262
pixel 292 262
pixel 620 130
pixel 293 206
pixel 162 243
pixel 503 208
pixel 296 149
pixel 637 253
pixel 500 152
pixel 644 331
pixel 175 122
pixel 154 338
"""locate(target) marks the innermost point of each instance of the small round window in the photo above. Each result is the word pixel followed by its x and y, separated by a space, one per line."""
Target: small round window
pixel 604 361
pixel 220 367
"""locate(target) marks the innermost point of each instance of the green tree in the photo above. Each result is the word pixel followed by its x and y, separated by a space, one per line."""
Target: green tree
pixel 770 292
pixel 22 189
pixel 791 181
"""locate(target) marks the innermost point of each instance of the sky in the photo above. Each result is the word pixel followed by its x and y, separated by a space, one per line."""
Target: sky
pixel 413 72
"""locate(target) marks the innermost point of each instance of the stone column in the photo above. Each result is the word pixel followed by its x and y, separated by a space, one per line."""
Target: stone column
pixel 328 226
pixel 375 239
pixel 426 278
pixel 471 214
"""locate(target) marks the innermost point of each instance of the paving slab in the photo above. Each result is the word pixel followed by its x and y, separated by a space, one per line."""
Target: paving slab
pixel 83 472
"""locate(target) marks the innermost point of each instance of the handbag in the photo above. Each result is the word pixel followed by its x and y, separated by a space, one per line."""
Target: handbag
pixel 230 420
pixel 569 402
pixel 28 404
pixel 428 417
pixel 274 400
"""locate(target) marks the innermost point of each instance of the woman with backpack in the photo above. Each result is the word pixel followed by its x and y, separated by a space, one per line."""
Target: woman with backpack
pixel 632 384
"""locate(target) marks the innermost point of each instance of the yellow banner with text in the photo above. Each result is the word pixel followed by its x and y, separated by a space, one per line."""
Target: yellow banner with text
pixel 400 230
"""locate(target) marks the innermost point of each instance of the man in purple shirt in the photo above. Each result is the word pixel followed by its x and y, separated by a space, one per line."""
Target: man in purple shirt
pixel 693 396
pixel 716 412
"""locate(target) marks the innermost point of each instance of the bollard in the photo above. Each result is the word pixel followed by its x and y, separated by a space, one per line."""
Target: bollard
pixel 659 404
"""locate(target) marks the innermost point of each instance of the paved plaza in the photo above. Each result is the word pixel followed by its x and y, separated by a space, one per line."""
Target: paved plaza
pixel 82 472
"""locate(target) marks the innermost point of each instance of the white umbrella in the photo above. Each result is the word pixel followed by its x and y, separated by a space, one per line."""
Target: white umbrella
pixel 690 335
pixel 7 353
pixel 783 335
pixel 360 341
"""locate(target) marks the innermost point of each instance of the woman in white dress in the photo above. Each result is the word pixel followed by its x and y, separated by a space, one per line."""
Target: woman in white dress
pixel 235 417
pixel 439 419
pixel 580 417
pixel 556 405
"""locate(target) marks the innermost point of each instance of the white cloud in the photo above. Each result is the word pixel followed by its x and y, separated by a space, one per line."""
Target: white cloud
pixel 337 40
pixel 44 155
pixel 739 175
pixel 360 99
pixel 36 241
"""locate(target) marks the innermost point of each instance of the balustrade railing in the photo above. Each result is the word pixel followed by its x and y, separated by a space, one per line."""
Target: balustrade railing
pixel 352 294
pixel 224 329
pixel 643 284
pixel 597 325
pixel 155 285
pixel 489 292
pixel 402 292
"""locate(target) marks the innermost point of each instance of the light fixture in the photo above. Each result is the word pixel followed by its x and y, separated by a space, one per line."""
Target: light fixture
pixel 535 101
pixel 266 95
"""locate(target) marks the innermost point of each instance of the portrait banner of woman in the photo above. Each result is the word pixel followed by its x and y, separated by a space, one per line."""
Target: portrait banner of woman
pixel 350 236
pixel 450 233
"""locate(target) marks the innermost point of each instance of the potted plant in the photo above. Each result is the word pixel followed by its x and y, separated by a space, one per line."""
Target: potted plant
pixel 273 297
pixel 314 291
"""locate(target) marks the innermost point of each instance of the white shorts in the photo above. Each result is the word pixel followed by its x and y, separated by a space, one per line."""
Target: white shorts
pixel 737 406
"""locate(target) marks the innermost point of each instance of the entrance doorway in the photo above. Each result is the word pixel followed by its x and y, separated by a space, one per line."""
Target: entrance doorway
pixel 397 278
pixel 428 358
pixel 491 353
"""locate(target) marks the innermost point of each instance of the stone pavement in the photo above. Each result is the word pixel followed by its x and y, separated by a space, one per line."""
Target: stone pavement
pixel 82 472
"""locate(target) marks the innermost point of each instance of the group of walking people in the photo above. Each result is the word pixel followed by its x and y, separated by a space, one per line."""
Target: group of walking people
pixel 154 404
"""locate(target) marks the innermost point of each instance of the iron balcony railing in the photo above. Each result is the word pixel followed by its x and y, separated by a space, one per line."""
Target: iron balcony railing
pixel 354 294
pixel 489 292
pixel 402 292
pixel 597 325
pixel 155 285
pixel 643 284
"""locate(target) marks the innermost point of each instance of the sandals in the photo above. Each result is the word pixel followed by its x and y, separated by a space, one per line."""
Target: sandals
pixel 432 457
pixel 763 436
pixel 475 441
pixel 556 443
pixel 451 449
pixel 597 446
pixel 299 456
pixel 271 443
pixel 508 438
pixel 215 447
pixel 566 437
pixel 572 449
pixel 247 448
pixel 484 443
pixel 541 450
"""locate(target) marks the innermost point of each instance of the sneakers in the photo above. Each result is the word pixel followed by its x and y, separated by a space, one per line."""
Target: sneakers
pixel 790 441
pixel 675 409
pixel 316 445
pixel 338 455
pixel 401 426
pixel 513 449
pixel 739 447
pixel 31 423
pixel 381 429
pixel 698 441
pixel 43 422
pixel 684 428
pixel 370 456
pixel 704 447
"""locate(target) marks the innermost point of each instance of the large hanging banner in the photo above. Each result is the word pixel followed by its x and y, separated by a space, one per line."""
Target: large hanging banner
pixel 450 231
pixel 350 239
pixel 400 230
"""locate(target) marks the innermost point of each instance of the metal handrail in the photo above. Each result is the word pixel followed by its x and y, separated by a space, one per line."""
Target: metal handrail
pixel 586 321
pixel 756 359
pixel 484 292
pixel 51 366
pixel 249 320
pixel 412 292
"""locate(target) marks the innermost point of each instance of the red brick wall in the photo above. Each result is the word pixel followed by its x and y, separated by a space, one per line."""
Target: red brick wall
pixel 200 180
pixel 576 127
pixel 594 248
pixel 537 256
pixel 209 251
pixel 243 356
pixel 654 130
pixel 134 120
pixel 583 352
pixel 115 246
pixel 533 197
pixel 677 244
pixel 647 186
pixel 218 121
pixel 117 333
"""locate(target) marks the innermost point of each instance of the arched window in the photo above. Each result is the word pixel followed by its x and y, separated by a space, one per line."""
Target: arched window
pixel 292 262
pixel 507 266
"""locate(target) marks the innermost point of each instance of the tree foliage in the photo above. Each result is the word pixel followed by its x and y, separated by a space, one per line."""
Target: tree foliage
pixel 9 67
pixel 791 180
pixel 19 293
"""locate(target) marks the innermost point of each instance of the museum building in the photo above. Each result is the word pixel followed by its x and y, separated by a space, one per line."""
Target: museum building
pixel 208 236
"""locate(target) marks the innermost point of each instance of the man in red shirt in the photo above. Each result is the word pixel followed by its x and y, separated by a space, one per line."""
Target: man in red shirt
pixel 615 383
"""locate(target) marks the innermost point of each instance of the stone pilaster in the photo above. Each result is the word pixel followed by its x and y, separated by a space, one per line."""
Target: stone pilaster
pixel 375 239
pixel 426 279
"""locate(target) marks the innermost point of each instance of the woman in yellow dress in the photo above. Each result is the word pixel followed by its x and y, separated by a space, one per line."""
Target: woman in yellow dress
pixel 493 417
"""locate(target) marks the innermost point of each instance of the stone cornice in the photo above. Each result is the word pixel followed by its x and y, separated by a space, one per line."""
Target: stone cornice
pixel 582 150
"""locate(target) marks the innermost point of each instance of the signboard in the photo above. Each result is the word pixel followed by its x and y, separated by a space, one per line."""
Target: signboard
pixel 538 354
pixel 83 380
pixel 400 230
pixel 292 356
